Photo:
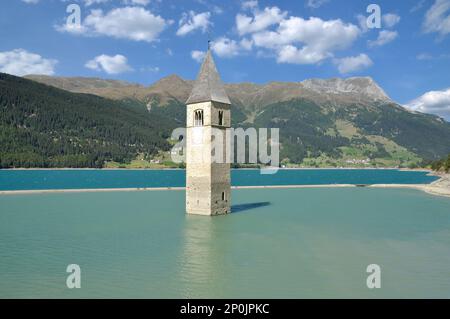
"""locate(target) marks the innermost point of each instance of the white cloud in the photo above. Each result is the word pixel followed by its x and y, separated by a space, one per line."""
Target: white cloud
pixel 217 10
pixel 152 69
pixel 137 2
pixel 314 32
pixel 246 44
pixel 291 54
pixel 251 4
pixel 390 19
pixel 133 23
pixel 419 5
pixel 198 55
pixel 21 62
pixel 384 37
pixel 110 64
pixel 434 102
pixel 362 22
pixel 353 63
pixel 227 48
pixel 260 20
pixel 437 18
pixel 288 39
pixel 73 29
pixel 192 21
pixel 88 3
pixel 428 56
pixel 30 1
pixel 316 3
pixel 297 40
pixel 424 56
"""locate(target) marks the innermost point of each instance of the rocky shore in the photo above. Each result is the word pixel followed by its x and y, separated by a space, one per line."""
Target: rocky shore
pixel 440 187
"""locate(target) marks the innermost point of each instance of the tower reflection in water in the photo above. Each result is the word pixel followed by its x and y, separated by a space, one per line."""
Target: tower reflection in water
pixel 203 259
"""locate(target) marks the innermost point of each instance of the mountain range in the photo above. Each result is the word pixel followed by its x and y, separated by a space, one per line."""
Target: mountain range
pixel 248 96
pixel 332 122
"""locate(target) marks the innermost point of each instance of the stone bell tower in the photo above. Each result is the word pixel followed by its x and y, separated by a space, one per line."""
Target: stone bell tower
pixel 208 187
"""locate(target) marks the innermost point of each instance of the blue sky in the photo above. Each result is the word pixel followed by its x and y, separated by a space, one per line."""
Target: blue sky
pixel 253 41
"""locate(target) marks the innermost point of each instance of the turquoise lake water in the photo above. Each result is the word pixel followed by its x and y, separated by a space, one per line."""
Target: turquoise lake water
pixel 76 179
pixel 293 243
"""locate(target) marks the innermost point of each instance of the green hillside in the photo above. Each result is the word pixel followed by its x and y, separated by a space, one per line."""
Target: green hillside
pixel 42 126
pixel 384 134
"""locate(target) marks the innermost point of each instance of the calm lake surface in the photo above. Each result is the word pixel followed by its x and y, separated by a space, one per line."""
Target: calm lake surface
pixel 79 179
pixel 293 243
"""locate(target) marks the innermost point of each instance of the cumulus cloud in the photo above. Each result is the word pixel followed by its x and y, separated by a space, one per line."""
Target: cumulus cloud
pixel 126 2
pixel 251 4
pixel 353 63
pixel 390 19
pixel 434 102
pixel 137 2
pixel 419 5
pixel 30 1
pixel 384 37
pixel 133 23
pixel 227 48
pixel 316 3
pixel 198 55
pixel 291 54
pixel 191 21
pixel 246 44
pixel 259 21
pixel 21 62
pixel 362 22
pixel 437 18
pixel 217 10
pixel 289 39
pixel 310 41
pixel 110 64
pixel 88 3
pixel 314 32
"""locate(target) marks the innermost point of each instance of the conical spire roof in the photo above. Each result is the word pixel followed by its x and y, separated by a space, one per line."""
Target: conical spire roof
pixel 208 86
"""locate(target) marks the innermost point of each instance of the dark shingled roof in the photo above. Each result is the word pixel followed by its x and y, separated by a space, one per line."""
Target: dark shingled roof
pixel 208 86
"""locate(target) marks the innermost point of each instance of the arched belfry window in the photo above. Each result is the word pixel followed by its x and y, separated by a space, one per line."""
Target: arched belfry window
pixel 220 117
pixel 198 118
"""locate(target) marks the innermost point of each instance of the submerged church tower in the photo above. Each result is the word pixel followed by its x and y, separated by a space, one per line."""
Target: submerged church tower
pixel 208 187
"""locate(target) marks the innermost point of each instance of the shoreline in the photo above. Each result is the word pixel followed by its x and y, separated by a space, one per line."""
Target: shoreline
pixel 243 168
pixel 435 188
pixel 151 189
